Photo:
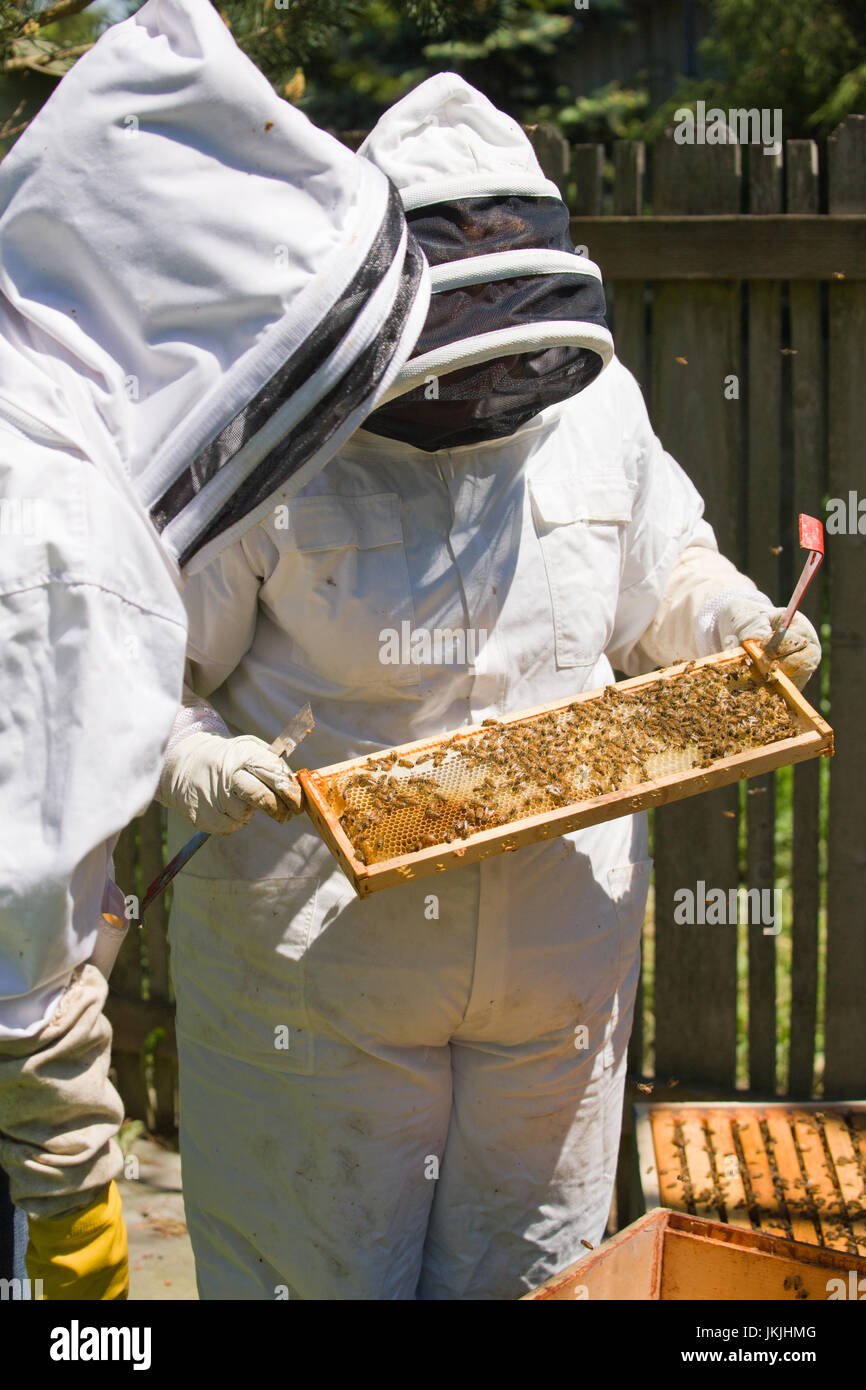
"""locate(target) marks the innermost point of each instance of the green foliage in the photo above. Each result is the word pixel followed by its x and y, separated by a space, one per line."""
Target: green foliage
pixel 281 40
pixel 130 1130
pixel 847 97
pixel 611 112
pixel 345 61
pixel 805 57
pixel 513 61
pixel 23 36
pixel 522 32
pixel 508 48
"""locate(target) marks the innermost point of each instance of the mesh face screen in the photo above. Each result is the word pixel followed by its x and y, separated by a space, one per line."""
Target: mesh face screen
pixel 453 787
pixel 491 400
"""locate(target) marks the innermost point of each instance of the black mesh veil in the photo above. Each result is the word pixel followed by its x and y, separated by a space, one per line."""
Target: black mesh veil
pixel 492 399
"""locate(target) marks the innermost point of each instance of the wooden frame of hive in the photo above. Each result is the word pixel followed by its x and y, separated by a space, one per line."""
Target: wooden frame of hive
pixel 795 1185
pixel 674 1258
pixel 815 739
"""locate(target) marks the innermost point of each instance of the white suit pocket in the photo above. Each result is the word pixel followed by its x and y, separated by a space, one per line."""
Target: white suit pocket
pixel 580 524
pixel 350 587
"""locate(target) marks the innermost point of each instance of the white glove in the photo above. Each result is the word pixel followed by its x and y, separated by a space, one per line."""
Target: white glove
pixel 219 782
pixel 800 652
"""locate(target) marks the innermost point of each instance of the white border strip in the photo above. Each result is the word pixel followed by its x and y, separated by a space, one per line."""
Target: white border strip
pixel 507 265
pixel 448 190
pixel 197 515
pixel 530 337
pixel 378 313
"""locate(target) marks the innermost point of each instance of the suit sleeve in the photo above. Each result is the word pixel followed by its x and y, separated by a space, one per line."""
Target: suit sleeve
pixel 221 602
pixel 92 638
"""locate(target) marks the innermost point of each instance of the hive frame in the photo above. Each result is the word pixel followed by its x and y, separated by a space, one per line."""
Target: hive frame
pixel 649 1180
pixel 815 739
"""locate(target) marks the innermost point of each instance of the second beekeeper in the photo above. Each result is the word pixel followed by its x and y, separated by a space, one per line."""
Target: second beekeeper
pixel 391 1098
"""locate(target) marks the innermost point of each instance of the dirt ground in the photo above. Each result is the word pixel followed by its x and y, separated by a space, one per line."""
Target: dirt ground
pixel 160 1255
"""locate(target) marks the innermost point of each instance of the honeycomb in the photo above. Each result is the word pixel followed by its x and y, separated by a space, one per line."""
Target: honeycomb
pixel 458 785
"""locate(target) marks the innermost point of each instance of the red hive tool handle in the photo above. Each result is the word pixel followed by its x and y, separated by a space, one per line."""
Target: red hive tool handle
pixel 811 539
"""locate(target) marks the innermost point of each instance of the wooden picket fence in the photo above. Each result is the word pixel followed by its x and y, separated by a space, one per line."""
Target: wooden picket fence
pixel 140 1004
pixel 737 285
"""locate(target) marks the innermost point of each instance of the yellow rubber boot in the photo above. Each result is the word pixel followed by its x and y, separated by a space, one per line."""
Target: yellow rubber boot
pixel 83 1255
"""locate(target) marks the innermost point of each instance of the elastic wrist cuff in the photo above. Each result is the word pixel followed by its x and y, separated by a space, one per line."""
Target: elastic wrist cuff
pixel 195 719
pixel 707 634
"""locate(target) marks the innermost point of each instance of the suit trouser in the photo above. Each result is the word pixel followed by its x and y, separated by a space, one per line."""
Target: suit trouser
pixel 379 1104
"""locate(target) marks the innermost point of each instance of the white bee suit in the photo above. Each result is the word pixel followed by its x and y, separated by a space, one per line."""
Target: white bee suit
pixel 419 1094
pixel 201 297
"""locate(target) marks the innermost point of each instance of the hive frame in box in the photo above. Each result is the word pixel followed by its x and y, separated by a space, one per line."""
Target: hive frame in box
pixel 828 1185
pixel 815 739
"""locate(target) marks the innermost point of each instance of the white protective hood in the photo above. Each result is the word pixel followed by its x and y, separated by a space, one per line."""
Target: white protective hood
pixel 444 140
pixel 200 289
pixel 505 277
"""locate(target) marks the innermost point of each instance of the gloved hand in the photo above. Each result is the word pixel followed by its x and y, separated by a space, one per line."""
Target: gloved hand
pixel 82 1255
pixel 800 652
pixel 218 782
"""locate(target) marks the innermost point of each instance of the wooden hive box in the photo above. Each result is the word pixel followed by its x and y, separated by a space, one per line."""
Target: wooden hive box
pixel 668 1256
pixel 796 1171
pixel 814 738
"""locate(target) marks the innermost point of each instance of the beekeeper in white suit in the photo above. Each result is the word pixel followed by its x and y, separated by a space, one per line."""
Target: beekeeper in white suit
pixel 201 297
pixel 390 1099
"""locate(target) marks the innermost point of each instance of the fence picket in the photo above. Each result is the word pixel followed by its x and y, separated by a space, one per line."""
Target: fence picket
pixel 808 454
pixel 126 983
pixel 765 182
pixel 156 946
pixel 629 310
pixel 846 900
pixel 587 163
pixel 695 345
pixel 553 153
pixel 764 471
